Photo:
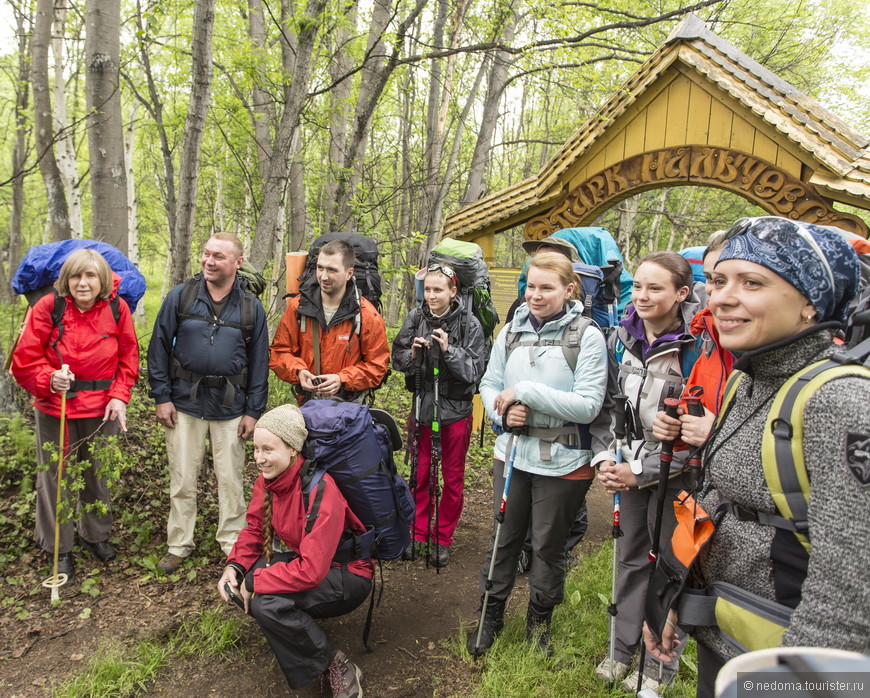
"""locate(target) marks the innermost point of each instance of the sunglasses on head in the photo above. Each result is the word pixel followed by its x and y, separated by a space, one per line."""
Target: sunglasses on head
pixel 444 269
pixel 778 230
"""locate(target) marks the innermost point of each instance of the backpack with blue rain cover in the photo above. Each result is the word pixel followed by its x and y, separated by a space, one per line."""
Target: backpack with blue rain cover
pixel 597 248
pixel 345 440
pixel 41 266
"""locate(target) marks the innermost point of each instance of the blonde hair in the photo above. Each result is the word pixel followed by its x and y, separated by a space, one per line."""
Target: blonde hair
pixel 554 262
pixel 268 530
pixel 229 237
pixel 77 264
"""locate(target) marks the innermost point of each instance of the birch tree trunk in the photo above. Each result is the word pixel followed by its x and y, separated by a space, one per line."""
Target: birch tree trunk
pixel 188 171
pixel 374 80
pixel 105 122
pixel 19 154
pixel 275 184
pixel 154 105
pixel 66 154
pixel 58 211
pixel 501 62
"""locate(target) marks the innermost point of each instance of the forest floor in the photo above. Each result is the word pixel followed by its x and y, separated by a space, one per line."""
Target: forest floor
pixel 414 635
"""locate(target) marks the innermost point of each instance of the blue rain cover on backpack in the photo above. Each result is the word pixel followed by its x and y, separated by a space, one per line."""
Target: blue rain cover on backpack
pixel 344 441
pixel 594 303
pixel 41 267
pixel 695 257
pixel 596 247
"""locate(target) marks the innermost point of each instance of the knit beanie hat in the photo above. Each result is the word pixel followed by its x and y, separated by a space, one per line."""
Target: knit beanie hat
pixel 285 422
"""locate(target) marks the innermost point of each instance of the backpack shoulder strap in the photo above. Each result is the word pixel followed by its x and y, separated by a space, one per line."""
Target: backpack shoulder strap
pixel 188 294
pixel 246 311
pixel 572 333
pixel 571 338
pixel 318 486
pixel 115 307
pixel 57 317
pixel 782 453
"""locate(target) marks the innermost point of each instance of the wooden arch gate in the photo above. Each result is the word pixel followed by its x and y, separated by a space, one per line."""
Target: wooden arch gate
pixel 698 112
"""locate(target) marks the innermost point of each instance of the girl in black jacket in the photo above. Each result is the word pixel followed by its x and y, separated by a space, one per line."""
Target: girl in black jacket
pixel 440 334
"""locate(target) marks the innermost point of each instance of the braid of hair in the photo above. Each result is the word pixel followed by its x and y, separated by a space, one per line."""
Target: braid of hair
pixel 268 531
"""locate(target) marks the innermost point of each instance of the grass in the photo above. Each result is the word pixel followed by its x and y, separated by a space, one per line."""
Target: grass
pixel 580 635
pixel 119 670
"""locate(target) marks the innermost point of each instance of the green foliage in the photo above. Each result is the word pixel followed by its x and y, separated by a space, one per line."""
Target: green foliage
pixel 117 669
pixel 580 631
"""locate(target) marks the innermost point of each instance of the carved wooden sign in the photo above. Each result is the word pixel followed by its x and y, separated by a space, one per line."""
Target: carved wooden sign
pixel 763 184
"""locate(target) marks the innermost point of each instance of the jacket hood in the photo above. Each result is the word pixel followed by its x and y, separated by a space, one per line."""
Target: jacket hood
pixel 311 303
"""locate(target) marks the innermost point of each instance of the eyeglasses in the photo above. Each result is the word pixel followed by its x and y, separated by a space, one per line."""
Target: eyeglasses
pixel 775 229
pixel 444 269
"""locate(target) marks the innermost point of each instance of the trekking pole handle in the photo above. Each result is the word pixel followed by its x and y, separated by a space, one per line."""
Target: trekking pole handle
pixel 672 404
pixel 694 406
pixel 522 430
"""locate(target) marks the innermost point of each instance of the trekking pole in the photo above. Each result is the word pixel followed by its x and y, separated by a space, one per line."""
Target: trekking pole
pixel 693 467
pixel 435 461
pixel 499 519
pixel 414 445
pixel 56 581
pixel 619 433
pixel 665 458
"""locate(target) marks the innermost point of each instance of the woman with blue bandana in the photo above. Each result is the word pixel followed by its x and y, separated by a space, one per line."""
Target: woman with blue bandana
pixel 781 290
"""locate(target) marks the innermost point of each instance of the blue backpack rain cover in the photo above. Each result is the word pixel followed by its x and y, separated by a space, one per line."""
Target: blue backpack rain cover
pixel 695 257
pixel 41 267
pixel 596 247
pixel 346 442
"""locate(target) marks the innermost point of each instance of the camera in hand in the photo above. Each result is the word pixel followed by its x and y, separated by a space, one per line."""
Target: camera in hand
pixel 234 596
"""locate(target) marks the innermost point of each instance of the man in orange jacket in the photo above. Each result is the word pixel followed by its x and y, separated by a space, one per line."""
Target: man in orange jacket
pixel 331 341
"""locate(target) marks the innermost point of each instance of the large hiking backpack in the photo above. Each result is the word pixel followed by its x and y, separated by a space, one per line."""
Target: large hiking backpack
pixel 745 620
pixel 472 275
pixel 42 263
pixel 41 266
pixel 597 248
pixel 357 451
pixel 252 284
pixel 695 257
pixel 595 301
pixel 365 270
pixel 858 318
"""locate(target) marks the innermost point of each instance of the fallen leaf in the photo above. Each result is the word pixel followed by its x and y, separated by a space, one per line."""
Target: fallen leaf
pixel 76 657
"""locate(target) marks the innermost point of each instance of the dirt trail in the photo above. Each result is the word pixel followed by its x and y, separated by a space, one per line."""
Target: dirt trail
pixel 419 611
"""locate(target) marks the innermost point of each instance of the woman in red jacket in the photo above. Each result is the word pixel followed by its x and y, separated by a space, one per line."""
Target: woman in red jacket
pixel 285 592
pixel 103 358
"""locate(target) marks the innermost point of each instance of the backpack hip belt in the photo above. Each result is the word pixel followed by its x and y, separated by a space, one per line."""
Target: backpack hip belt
pixel 100 384
pixel 745 620
pixel 568 435
pixel 229 383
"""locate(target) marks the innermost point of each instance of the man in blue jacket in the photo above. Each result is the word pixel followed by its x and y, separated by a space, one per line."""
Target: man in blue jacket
pixel 208 367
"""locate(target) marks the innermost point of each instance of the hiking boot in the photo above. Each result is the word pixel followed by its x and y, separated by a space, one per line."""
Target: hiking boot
pixel 492 623
pixel 414 551
pixel 65 565
pixel 440 556
pixel 103 550
pixel 649 682
pixel 524 562
pixel 611 671
pixel 538 630
pixel 345 677
pixel 170 563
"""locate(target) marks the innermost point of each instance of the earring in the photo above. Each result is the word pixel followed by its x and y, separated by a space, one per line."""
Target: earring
pixel 807 319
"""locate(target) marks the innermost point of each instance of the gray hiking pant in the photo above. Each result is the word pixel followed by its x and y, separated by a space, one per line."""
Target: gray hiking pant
pixel 550 504
pixel 637 520
pixel 302 649
pixel 80 433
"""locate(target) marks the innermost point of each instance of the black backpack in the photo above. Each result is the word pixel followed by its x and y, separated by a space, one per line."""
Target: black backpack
pixel 252 283
pixel 366 275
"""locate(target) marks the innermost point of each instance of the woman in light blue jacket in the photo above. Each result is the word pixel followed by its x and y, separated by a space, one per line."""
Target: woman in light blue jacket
pixel 545 382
